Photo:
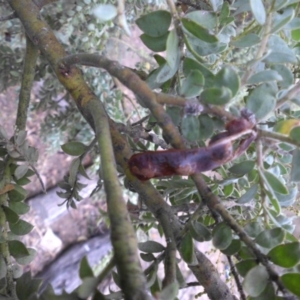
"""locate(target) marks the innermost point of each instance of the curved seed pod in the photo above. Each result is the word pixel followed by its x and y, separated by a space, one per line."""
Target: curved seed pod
pixel 155 164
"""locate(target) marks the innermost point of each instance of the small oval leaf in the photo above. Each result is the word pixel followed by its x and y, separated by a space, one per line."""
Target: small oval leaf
pixel 155 23
pixel 270 238
pixel 244 266
pixel 256 281
pixel 200 232
pixel 275 183
pixel 242 168
pixel 249 195
pixel 291 282
pixel 21 227
pixel 258 11
pixel 286 256
pixel 74 148
pixel 262 100
pixel 198 31
pixel 187 248
pixel 17 249
pixel 151 247
pixel 233 248
pixel 216 96
pixel 222 236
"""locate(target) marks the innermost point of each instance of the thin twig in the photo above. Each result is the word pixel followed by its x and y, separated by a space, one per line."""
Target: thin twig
pixel 236 278
pixel 278 137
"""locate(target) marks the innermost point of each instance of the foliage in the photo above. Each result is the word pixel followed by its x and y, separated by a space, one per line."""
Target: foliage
pixel 219 57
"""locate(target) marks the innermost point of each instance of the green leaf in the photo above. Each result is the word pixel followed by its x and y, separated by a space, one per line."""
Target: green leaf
pixel 222 236
pixel 233 248
pixel 268 293
pixel 74 148
pixel 148 257
pixel 27 287
pixel 17 194
pixel 156 44
pixel 198 31
pixel 265 76
pixel 105 12
pixel 190 64
pixel 172 49
pixel 295 134
pixel 287 200
pixel 270 238
pixel 162 74
pixel 22 181
pixel 26 260
pixel 207 126
pixel 275 183
pixel 17 249
pixel 295 171
pixel 274 201
pixel 20 208
pixel 216 4
pixel 152 277
pixel 296 34
pixel 280 20
pixel 244 266
pixel 169 292
pixel 228 190
pixel 262 100
pixel 192 85
pixel 11 216
pixel 242 168
pixel 201 48
pixel 21 227
pixel 88 287
pixel 248 40
pixel 216 96
pixel 21 171
pixel 256 281
pixel 156 286
pixel 30 173
pixel 258 10
pixel 253 229
pixel 281 52
pixel 85 269
pixel 151 247
pixel 286 256
pixel 190 128
pixel 200 232
pixel 227 77
pixel 285 73
pixel 155 23
pixel 187 248
pixel 225 12
pixel 291 282
pixel 206 19
pixel 249 195
pixel 73 171
pixel 20 137
pixel 17 271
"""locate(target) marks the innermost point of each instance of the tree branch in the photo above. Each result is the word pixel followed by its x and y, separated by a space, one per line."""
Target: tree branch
pixel 30 59
pixel 122 233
